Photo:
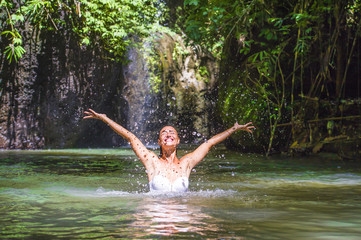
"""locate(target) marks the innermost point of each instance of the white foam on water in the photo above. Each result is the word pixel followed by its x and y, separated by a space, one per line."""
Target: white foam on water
pixel 98 193
pixel 104 193
pixel 42 194
pixel 201 193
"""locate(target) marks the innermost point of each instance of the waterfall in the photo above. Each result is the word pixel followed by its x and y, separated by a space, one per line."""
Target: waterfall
pixel 183 98
pixel 137 93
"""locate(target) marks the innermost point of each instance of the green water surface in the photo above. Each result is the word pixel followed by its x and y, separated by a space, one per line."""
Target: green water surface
pixel 103 194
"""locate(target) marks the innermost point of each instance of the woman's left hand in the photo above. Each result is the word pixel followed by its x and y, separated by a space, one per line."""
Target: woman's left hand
pixel 247 127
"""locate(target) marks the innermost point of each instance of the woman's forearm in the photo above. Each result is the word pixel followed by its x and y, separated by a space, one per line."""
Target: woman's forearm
pixel 138 147
pixel 196 156
pixel 223 135
pixel 220 137
pixel 117 128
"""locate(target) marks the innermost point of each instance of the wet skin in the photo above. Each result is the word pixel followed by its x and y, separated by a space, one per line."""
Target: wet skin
pixel 168 165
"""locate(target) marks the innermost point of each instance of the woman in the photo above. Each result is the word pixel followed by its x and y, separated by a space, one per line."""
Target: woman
pixel 167 172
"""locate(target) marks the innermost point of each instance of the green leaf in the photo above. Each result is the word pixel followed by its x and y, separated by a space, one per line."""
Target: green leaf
pixel 191 2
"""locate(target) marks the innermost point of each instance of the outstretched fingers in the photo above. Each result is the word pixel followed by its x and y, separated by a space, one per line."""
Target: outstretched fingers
pixel 92 111
pixel 90 114
pixel 247 124
pixel 249 127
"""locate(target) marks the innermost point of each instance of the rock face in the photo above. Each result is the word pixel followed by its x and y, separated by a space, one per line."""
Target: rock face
pixel 189 79
pixel 44 95
pixel 167 83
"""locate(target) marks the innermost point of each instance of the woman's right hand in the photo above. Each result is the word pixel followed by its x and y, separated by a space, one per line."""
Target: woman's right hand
pixel 93 114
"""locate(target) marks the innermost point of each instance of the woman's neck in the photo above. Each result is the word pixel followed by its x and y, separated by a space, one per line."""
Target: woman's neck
pixel 169 154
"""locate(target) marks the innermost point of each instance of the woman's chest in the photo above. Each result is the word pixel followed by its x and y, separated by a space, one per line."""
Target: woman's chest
pixel 171 170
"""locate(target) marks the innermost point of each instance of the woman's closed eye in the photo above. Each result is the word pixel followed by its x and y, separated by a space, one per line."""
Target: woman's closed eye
pixel 167 132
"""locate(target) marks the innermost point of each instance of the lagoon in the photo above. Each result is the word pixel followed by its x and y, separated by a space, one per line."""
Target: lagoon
pixel 103 194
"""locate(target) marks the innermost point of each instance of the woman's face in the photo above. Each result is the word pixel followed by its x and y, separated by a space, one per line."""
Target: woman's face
pixel 168 136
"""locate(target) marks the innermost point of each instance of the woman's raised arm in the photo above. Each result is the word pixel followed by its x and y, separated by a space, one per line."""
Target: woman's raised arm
pixel 138 147
pixel 197 155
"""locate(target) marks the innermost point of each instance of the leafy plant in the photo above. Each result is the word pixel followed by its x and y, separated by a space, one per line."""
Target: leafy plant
pixel 14 50
pixel 111 24
pixel 286 53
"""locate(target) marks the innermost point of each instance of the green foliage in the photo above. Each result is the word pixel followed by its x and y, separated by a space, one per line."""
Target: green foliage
pixel 14 50
pixel 154 66
pixel 179 51
pixel 203 71
pixel 116 22
pixel 277 46
pixel 152 56
pixel 211 23
pixel 111 24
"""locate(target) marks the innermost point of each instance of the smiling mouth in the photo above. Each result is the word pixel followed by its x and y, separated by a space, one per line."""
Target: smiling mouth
pixel 170 139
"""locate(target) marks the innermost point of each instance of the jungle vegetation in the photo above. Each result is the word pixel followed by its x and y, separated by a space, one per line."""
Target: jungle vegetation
pixel 108 23
pixel 286 57
pixel 293 54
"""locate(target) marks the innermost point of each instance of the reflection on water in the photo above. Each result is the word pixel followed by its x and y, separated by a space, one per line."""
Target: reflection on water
pixel 84 194
pixel 167 216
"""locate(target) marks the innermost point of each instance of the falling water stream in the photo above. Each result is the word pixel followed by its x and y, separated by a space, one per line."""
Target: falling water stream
pixel 103 194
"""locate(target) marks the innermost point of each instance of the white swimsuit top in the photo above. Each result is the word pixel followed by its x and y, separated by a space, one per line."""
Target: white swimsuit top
pixel 160 183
